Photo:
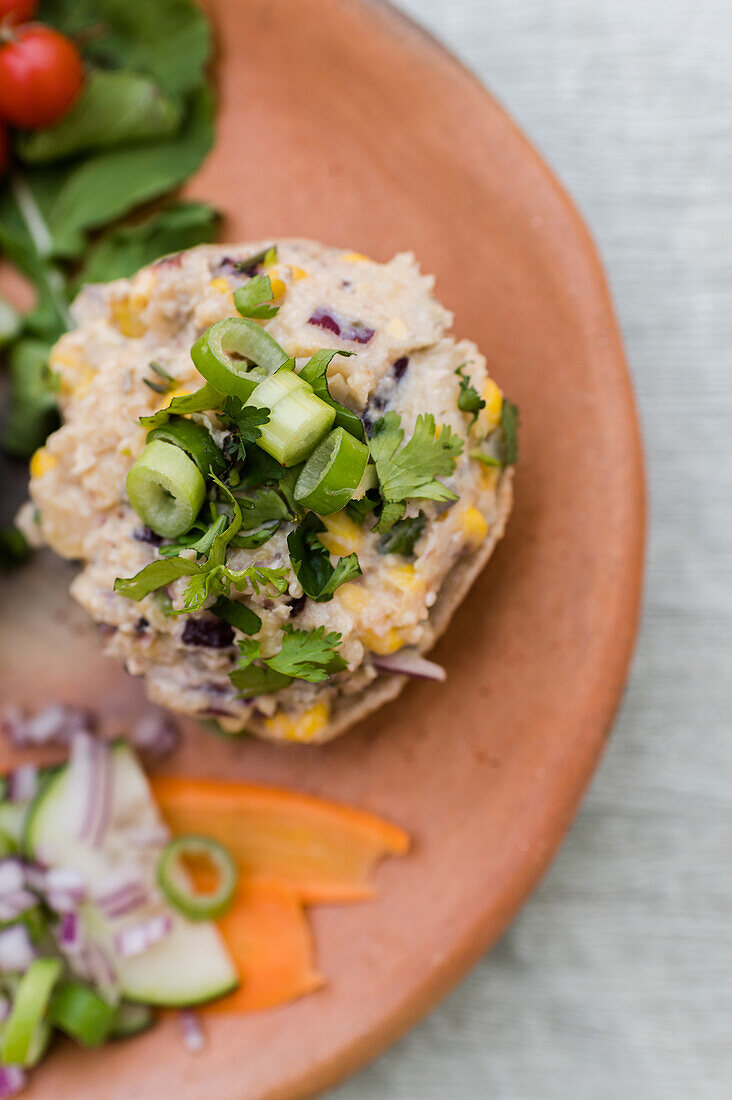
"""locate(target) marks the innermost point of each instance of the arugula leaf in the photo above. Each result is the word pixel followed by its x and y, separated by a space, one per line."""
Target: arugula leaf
pixel 250 299
pixel 237 615
pixel 315 373
pixel 117 107
pixel 244 422
pixel 411 471
pixel 469 400
pixel 170 40
pixel 401 538
pixel 158 574
pixel 251 679
pixel 111 183
pixel 310 655
pixel 123 250
pixel 203 400
pixel 311 561
pixel 32 414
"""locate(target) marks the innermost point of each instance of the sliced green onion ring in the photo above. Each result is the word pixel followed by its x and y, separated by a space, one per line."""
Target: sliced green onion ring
pixel 29 1007
pixel 332 474
pixel 213 354
pixel 175 882
pixel 279 385
pixel 194 439
pixel 166 488
pixel 80 1013
pixel 298 419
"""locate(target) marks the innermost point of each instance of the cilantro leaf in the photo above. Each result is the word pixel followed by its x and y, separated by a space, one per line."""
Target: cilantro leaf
pixel 237 614
pixel 263 506
pixel 259 469
pixel 244 423
pixel 509 424
pixel 391 513
pixel 411 470
pixel 310 655
pixel 251 679
pixel 256 538
pixel 469 400
pixel 254 298
pixel 218 580
pixel 401 538
pixel 359 509
pixel 311 561
pixel 200 542
pixel 315 373
pixel 202 400
pixel 158 574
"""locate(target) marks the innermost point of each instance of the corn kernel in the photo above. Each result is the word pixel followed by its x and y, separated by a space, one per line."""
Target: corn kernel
pixel 397 328
pixel 356 258
pixel 489 476
pixel 221 285
pixel 304 728
pixel 277 287
pixel 383 641
pixel 298 272
pixel 474 527
pixel 353 597
pixel 493 404
pixel 405 578
pixel 127 319
pixel 343 535
pixel 42 462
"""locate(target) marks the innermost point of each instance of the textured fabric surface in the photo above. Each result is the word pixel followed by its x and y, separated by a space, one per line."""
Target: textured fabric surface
pixel 615 982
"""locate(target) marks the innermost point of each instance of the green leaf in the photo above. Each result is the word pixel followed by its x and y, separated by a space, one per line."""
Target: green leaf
pixel 250 299
pixel 315 373
pixel 237 615
pixel 115 108
pixel 469 400
pixel 255 539
pixel 263 506
pixel 203 400
pixel 244 422
pixel 32 399
pixel 14 548
pixel 170 40
pixel 401 538
pixel 509 424
pixel 411 470
pixel 124 249
pixel 10 322
pixel 217 580
pixel 391 513
pixel 310 655
pixel 311 561
pixel 201 540
pixel 158 574
pixel 251 679
pixel 109 184
pixel 359 509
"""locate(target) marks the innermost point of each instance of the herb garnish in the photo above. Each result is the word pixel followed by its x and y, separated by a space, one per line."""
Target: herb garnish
pixel 255 297
pixel 311 561
pixel 310 655
pixel 403 536
pixel 244 422
pixel 469 400
pixel 315 373
pixel 502 443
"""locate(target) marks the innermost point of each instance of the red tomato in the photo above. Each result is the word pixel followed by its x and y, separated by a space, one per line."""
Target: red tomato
pixel 4 149
pixel 40 73
pixel 17 11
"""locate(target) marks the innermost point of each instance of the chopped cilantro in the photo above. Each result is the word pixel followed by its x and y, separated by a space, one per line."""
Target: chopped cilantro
pixel 218 580
pixel 469 400
pixel 315 373
pixel 411 470
pixel 311 561
pixel 252 299
pixel 359 509
pixel 237 615
pixel 200 401
pixel 244 422
pixel 310 655
pixel 158 574
pixel 401 538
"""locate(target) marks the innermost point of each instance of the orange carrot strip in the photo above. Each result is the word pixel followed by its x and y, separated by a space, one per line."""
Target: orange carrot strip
pixel 269 938
pixel 324 850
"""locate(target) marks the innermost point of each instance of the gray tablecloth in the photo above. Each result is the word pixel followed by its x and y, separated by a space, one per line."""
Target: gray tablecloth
pixel 615 982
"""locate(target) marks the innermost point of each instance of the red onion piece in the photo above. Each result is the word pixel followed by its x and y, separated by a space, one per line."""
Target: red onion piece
pixel 12 876
pixel 13 906
pixel 91 768
pixel 327 319
pixel 16 949
pixel 151 837
pixel 23 783
pixel 68 934
pixel 124 899
pixel 407 662
pixel 64 880
pixel 94 965
pixel 12 1081
pixel 137 938
pixel 55 724
pixel 194 1039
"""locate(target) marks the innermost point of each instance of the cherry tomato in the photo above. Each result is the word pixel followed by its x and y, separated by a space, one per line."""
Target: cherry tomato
pixel 40 73
pixel 4 149
pixel 17 11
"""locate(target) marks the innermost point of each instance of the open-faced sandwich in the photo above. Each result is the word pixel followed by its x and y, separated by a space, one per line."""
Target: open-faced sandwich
pixel 280 475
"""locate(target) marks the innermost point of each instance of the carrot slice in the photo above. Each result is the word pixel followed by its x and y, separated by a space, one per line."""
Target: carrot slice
pixel 323 850
pixel 268 935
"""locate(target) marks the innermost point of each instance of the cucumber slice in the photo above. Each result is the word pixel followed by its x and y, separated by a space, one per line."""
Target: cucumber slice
pixel 191 965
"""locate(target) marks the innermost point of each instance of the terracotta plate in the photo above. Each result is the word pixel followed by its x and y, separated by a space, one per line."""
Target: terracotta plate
pixel 344 122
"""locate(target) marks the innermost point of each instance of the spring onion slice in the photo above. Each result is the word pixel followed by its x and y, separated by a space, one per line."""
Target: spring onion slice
pixel 213 354
pixel 237 615
pixel 175 884
pixel 194 439
pixel 81 1013
pixel 332 474
pixel 166 488
pixel 298 419
pixel 201 400
pixel 315 373
pixel 29 1007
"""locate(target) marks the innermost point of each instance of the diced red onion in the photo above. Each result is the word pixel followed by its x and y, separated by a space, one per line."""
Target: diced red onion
pixel 156 734
pixel 137 938
pixel 23 783
pixel 16 949
pixel 123 899
pixel 149 837
pixel 193 1038
pixel 12 876
pixel 55 724
pixel 358 331
pixel 12 1081
pixel 407 662
pixel 65 880
pixel 13 906
pixel 96 966
pixel 91 768
pixel 68 934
